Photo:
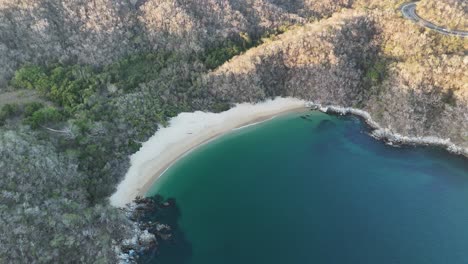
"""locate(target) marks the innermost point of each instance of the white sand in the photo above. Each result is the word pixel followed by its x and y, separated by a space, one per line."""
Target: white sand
pixel 185 132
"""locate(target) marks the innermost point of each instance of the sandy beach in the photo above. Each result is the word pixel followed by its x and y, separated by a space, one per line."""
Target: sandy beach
pixel 186 132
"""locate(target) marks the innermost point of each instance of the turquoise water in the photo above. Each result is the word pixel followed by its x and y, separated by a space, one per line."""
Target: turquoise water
pixel 316 189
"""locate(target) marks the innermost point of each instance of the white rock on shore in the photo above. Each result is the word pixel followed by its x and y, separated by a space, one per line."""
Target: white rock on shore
pixel 386 134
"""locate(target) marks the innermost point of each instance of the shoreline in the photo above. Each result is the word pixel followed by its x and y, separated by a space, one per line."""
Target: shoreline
pixel 168 145
pixel 374 130
pixel 147 186
pixel 386 135
pixel 187 132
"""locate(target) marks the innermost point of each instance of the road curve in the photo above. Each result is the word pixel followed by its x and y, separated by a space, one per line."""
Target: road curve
pixel 409 12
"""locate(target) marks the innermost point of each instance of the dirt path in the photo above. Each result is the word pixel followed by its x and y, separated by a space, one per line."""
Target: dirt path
pixel 19 97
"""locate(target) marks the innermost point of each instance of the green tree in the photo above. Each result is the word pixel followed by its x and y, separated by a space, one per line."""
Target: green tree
pixel 8 111
pixel 30 77
pixel 44 116
pixel 32 107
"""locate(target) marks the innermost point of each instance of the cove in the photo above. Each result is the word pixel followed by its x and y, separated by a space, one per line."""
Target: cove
pixel 316 188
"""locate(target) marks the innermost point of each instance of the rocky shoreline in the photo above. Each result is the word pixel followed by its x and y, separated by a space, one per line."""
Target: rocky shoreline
pixel 148 233
pixel 386 134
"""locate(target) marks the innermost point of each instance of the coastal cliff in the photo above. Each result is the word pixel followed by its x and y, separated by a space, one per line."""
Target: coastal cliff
pixel 84 83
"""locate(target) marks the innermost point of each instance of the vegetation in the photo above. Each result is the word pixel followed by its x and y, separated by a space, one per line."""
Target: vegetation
pixel 452 14
pixel 411 77
pixel 216 57
pixel 110 76
pixel 45 215
pixel 94 119
pixel 72 86
pixel 8 111
pixel 44 116
pixel 375 72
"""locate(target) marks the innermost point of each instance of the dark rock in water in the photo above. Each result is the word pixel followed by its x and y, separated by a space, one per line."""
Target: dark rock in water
pixel 169 202
pixel 325 125
pixel 156 221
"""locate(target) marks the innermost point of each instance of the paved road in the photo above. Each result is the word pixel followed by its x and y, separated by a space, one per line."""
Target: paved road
pixel 409 12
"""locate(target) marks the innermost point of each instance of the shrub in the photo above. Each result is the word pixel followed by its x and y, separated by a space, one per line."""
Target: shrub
pixel 8 111
pixel 29 77
pixel 217 56
pixel 30 108
pixel 44 116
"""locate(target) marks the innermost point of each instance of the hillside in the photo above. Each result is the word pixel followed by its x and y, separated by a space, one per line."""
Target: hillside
pixel 90 80
pixel 413 82
pixel 99 32
pixel 452 14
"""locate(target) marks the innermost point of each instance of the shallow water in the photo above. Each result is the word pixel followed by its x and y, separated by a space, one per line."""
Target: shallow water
pixel 316 189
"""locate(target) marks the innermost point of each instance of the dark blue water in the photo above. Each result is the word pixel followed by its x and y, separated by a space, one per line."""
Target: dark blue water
pixel 316 189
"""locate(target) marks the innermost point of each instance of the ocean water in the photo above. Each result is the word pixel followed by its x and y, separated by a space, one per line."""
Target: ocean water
pixel 315 188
